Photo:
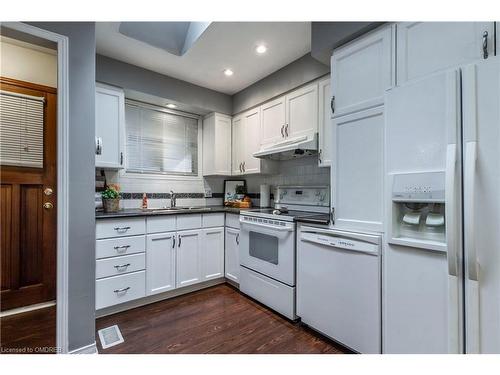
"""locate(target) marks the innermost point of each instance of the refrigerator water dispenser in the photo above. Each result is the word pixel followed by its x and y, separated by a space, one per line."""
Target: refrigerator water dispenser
pixel 418 208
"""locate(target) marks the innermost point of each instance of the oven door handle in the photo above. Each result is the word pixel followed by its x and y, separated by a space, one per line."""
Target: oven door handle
pixel 264 226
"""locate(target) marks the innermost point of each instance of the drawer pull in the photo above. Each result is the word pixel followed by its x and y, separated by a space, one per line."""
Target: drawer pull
pixel 122 290
pixel 122 267
pixel 122 229
pixel 121 249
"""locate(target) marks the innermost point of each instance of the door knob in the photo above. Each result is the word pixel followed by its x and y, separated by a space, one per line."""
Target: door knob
pixel 48 191
pixel 48 205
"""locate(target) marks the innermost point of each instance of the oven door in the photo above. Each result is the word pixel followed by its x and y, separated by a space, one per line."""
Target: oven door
pixel 268 246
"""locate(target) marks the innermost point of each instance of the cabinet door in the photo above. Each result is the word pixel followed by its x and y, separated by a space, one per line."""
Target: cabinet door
pixel 160 262
pixel 217 145
pixel 273 122
pixel 109 127
pixel 325 124
pixel 238 145
pixel 213 253
pixel 357 176
pixel 251 140
pixel 426 47
pixel 362 70
pixel 232 254
pixel 188 270
pixel 302 112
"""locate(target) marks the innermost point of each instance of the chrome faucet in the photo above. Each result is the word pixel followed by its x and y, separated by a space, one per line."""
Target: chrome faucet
pixel 172 199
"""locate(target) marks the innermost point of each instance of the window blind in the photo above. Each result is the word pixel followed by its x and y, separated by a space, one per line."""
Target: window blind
pixel 160 143
pixel 21 130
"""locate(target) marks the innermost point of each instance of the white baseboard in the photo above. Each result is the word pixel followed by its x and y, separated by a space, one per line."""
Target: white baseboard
pixel 89 349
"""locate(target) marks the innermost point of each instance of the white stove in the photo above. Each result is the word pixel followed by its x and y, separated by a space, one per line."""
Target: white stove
pixel 267 245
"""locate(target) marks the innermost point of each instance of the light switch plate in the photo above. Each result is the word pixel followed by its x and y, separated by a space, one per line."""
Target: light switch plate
pixel 208 193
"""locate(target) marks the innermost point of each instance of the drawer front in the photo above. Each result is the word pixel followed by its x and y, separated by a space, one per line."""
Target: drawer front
pixel 277 296
pixel 188 221
pixel 213 220
pixel 120 246
pixel 120 265
pixel 119 227
pixel 118 289
pixel 161 224
pixel 233 221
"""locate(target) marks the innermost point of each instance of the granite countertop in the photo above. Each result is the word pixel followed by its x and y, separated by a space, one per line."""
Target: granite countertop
pixel 131 212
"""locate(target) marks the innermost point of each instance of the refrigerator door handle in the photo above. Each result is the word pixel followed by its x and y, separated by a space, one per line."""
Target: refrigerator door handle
pixel 450 209
pixel 469 184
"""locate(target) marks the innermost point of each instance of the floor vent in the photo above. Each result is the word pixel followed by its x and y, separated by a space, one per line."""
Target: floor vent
pixel 110 336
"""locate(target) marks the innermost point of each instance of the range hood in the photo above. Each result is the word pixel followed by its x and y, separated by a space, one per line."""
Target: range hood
pixel 290 149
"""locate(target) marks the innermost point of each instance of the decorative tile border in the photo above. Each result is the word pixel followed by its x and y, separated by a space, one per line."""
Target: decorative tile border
pixel 179 195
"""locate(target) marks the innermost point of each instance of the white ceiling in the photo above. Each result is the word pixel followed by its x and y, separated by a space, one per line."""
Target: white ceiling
pixel 223 45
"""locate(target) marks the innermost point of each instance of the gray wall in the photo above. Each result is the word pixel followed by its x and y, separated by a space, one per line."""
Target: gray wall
pixel 131 77
pixel 297 73
pixel 325 36
pixel 81 304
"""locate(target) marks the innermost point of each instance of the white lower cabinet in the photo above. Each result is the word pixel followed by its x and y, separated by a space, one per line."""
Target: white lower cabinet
pixel 188 257
pixel 119 289
pixel 160 262
pixel 212 253
pixel 232 256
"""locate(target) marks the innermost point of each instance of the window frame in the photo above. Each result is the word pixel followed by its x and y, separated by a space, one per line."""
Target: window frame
pixel 128 175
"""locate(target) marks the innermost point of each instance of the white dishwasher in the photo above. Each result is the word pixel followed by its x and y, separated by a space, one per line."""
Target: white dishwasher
pixel 339 286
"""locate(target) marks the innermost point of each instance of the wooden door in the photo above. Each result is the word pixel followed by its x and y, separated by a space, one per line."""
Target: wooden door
pixel 28 230
pixel 302 112
pixel 232 254
pixel 325 124
pixel 237 145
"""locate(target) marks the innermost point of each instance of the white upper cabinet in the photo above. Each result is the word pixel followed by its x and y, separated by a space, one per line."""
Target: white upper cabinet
pixel 237 143
pixel 251 141
pixel 213 253
pixel 362 70
pixel 109 126
pixel 426 47
pixel 217 145
pixel 160 262
pixel 357 178
pixel 273 122
pixel 188 257
pixel 325 124
pixel 302 112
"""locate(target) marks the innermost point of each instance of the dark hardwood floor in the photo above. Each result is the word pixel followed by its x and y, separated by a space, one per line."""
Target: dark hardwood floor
pixel 32 332
pixel 215 320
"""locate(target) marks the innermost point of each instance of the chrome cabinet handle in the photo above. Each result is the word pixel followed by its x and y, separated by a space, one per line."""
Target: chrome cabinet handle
pixel 240 168
pixel 122 248
pixel 173 242
pixel 238 239
pixel 180 240
pixel 332 104
pixel 121 229
pixel 244 170
pixel 122 267
pixel 319 156
pixel 485 45
pixel 98 145
pixel 121 158
pixel 121 290
pixel 286 130
pixel 282 134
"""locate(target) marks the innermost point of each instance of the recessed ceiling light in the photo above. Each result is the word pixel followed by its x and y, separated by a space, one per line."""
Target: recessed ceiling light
pixel 228 72
pixel 171 105
pixel 261 49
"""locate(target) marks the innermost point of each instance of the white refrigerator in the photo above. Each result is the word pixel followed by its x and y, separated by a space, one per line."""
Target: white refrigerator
pixel 441 255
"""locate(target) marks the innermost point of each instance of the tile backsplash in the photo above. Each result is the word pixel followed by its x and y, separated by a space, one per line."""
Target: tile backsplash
pixel 303 171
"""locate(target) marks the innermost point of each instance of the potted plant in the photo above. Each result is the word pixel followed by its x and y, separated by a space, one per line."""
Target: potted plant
pixel 240 191
pixel 111 198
